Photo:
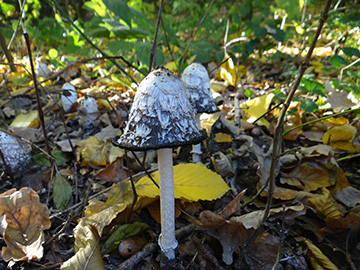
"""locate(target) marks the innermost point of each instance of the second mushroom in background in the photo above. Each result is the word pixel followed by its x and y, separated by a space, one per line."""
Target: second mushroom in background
pixel 197 85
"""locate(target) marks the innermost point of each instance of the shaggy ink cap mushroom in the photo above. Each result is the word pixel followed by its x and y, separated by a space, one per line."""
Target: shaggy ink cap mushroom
pixel 197 84
pixel 161 115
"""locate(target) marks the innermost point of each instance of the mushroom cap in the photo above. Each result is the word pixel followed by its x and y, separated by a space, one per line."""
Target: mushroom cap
pixel 161 115
pixel 197 84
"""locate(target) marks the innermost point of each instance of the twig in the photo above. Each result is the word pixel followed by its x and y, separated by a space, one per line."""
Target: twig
pixel 348 66
pixel 132 185
pixel 153 49
pixel 206 253
pixel 319 119
pixel 150 248
pixel 192 38
pixel 37 92
pixel 6 51
pixel 276 145
pixel 58 213
pixel 166 40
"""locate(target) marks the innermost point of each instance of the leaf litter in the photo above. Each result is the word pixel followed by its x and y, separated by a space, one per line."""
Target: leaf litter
pixel 315 208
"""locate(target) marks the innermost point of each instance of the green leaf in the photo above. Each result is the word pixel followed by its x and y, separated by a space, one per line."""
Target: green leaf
pixel 97 6
pixel 117 46
pixel 120 233
pixel 120 9
pixel 309 105
pixel 53 53
pixel 312 86
pixel 142 52
pixel 62 192
pixel 349 51
pixel 337 61
pixel 60 158
pixel 248 93
pixel 292 8
pixel 7 9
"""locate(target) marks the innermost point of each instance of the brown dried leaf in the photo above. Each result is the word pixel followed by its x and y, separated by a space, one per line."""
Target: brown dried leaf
pixel 263 252
pixel 25 218
pixel 233 207
pixel 307 178
pixel 113 172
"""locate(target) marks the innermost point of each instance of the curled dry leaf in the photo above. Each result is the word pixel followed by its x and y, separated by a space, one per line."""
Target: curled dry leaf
pixel 87 249
pixel 318 259
pixel 316 168
pixel 342 138
pixel 24 220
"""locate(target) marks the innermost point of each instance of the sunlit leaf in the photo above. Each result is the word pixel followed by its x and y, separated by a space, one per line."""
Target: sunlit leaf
pixel 100 214
pixel 26 120
pixel 93 151
pixel 120 9
pixel 192 182
pixel 25 218
pixel 228 70
pixel 341 137
pixel 87 249
pixel 256 107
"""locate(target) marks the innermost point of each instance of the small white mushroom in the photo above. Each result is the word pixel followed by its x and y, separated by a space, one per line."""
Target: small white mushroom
pixel 68 97
pixel 197 84
pixel 161 117
pixel 89 109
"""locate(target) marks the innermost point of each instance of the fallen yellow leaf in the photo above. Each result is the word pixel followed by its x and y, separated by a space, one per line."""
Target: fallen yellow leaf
pixel 26 120
pixel 227 70
pixel 256 107
pixel 341 137
pixel 192 182
pixel 318 260
pixel 87 249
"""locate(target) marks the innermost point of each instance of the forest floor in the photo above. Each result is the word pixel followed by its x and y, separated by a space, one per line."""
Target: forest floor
pixel 314 219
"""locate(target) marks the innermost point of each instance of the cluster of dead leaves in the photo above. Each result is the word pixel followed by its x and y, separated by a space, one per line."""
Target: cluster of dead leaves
pixel 23 221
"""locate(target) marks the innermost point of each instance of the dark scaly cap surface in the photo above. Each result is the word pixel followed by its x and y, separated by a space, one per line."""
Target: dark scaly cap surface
pixel 161 115
pixel 197 84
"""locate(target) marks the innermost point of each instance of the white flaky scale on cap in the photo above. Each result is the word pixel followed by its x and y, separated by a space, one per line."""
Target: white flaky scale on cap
pixel 14 154
pixel 197 84
pixel 68 97
pixel 161 117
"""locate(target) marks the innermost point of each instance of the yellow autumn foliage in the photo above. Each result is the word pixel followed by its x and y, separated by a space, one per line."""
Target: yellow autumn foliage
pixel 192 182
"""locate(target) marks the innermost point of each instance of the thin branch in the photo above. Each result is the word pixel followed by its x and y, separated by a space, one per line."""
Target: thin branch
pixel 153 49
pixel 37 92
pixel 192 38
pixel 166 40
pixel 277 141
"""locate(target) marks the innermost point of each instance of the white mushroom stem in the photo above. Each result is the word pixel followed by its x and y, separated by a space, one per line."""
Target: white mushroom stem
pixel 196 149
pixel 167 241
